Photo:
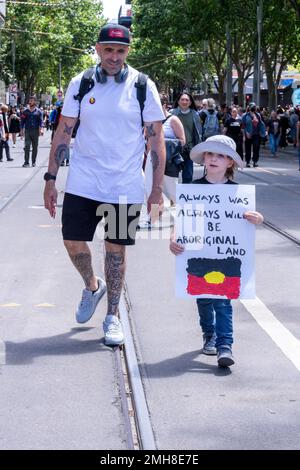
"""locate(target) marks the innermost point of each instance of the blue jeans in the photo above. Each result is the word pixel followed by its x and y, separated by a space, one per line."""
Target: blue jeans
pixel 187 172
pixel 215 316
pixel 273 141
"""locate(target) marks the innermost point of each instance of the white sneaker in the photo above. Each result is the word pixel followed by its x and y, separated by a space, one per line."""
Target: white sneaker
pixel 113 332
pixel 89 302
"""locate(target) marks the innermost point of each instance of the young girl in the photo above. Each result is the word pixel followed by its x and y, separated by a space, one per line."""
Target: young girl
pixel 218 153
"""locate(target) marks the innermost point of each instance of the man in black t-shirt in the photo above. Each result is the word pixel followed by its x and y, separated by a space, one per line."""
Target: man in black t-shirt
pixel 233 128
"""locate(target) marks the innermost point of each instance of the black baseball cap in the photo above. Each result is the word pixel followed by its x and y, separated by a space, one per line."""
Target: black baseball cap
pixel 114 34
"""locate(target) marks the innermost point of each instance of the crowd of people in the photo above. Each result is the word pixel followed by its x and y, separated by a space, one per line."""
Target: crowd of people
pixel 249 128
pixel 26 123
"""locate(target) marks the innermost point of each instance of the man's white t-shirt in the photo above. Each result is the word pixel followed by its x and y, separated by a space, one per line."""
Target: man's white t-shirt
pixel 108 151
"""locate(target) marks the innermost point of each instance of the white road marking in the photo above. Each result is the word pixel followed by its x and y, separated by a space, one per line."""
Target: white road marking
pixel 11 305
pixel 269 171
pixel 284 339
pixel 44 305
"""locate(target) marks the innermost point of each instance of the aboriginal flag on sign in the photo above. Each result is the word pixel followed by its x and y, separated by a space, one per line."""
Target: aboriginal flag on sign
pixel 214 276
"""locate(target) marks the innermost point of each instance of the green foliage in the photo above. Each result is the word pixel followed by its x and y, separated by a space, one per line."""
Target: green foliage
pixel 43 36
pixel 165 26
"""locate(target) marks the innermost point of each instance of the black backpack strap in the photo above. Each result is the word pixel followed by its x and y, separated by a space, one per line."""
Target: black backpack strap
pixel 141 92
pixel 86 84
pixel 168 117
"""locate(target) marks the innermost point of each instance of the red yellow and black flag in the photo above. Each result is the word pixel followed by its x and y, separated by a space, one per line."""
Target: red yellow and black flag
pixel 214 276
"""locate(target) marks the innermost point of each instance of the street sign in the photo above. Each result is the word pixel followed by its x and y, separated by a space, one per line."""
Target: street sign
pixel 296 97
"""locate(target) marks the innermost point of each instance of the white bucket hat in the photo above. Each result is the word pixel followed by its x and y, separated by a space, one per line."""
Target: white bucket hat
pixel 217 144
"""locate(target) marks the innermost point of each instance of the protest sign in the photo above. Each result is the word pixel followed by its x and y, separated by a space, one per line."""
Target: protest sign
pixel 218 261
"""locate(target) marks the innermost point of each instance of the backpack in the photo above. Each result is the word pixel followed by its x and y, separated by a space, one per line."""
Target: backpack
pixel 211 125
pixel 87 83
pixel 174 158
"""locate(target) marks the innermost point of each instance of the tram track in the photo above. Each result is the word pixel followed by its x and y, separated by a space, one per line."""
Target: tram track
pixel 268 223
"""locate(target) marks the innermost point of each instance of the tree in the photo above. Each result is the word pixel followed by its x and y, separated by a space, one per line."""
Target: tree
pixel 44 36
pixel 280 45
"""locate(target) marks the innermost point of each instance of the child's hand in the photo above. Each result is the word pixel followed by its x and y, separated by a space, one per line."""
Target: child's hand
pixel 176 248
pixel 254 217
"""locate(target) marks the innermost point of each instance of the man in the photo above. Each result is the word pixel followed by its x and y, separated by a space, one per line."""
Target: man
pixel 210 120
pixel 255 130
pixel 105 176
pixel 32 121
pixel 4 134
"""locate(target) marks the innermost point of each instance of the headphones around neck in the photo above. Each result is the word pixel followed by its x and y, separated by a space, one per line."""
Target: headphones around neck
pixel 101 74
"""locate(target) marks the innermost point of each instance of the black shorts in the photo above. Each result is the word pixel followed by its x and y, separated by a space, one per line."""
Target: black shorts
pixel 80 217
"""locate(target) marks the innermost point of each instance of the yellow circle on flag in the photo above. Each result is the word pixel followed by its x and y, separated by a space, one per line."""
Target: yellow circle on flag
pixel 92 100
pixel 214 277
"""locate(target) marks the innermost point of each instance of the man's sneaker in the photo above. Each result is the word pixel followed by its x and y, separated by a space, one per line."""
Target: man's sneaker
pixel 225 358
pixel 248 165
pixel 89 302
pixel 209 345
pixel 25 165
pixel 113 332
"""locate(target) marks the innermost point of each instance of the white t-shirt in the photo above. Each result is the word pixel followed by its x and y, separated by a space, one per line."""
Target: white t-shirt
pixel 108 151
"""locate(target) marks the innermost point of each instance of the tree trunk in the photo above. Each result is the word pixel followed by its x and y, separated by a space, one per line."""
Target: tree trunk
pixel 221 86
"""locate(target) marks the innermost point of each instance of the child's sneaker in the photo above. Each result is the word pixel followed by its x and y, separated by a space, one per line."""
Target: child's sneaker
pixel 113 333
pixel 209 345
pixel 225 358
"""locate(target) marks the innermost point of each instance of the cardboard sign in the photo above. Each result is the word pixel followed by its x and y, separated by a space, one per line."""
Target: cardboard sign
pixel 218 261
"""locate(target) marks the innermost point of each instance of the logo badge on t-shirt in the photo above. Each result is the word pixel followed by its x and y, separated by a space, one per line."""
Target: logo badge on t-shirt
pixel 92 100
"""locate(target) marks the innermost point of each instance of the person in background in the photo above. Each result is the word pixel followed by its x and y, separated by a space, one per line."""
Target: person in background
pixel 283 125
pixel 185 109
pixel 294 118
pixel 211 120
pixel 255 130
pixel 233 127
pixel 14 125
pixel 273 131
pixel 298 141
pixel 4 142
pixel 32 122
pixel 173 130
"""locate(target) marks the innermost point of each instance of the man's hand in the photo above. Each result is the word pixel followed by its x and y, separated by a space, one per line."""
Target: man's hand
pixel 50 198
pixel 41 131
pixel 155 205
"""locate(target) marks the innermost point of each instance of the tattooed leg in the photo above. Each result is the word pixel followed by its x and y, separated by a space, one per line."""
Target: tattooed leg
pixel 80 255
pixel 114 273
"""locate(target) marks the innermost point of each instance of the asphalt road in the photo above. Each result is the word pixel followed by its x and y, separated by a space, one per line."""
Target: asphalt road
pixel 59 388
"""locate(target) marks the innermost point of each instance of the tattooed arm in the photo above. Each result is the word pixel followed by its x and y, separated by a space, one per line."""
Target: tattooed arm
pixel 59 151
pixel 155 141
pixel 60 144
